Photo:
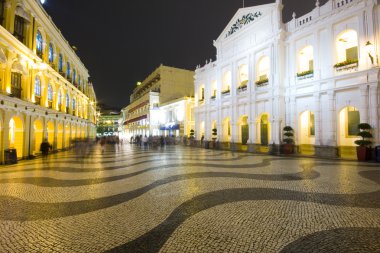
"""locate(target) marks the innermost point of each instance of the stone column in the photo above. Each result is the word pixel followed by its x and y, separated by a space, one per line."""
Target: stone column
pixel 364 104
pixel 374 112
pixel 317 119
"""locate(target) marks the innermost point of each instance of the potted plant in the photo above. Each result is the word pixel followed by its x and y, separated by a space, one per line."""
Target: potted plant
pixel 288 146
pixel 214 134
pixel 363 150
pixel 192 133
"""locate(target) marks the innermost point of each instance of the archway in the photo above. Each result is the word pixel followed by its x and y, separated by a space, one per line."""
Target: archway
pixel 16 135
pixel 306 137
pixel 243 129
pixel 349 119
pixel 50 132
pixel 264 129
pixel 226 129
pixel 60 139
pixel 38 128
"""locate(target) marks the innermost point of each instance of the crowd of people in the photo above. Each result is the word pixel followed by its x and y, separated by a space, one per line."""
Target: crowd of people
pixel 155 141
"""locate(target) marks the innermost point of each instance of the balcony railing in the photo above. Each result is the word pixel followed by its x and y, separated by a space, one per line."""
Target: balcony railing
pixel 262 82
pixel 305 75
pixel 226 92
pixel 242 88
pixel 346 65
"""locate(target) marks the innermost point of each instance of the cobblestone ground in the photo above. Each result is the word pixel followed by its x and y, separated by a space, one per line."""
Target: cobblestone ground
pixel 181 199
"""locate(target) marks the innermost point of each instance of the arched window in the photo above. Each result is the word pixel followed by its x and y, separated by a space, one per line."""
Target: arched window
pixel 262 76
pixel 39 44
pixel 60 63
pixel 59 99
pixel 74 77
pixel 347 48
pixel 73 105
pixel 68 70
pixel 51 53
pixel 37 90
pixel 67 101
pixel 305 61
pixel 50 92
pixel 37 87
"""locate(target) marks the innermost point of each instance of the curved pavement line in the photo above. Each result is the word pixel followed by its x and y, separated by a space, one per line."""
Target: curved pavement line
pixel 348 240
pixel 373 175
pixel 28 211
pixel 52 182
pixel 264 162
pixel 153 240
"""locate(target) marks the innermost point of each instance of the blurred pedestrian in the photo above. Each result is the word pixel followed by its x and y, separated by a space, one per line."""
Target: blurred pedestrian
pixel 103 143
pixel 45 147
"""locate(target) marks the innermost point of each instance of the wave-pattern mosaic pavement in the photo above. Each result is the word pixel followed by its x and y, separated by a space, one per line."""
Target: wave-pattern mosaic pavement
pixel 181 199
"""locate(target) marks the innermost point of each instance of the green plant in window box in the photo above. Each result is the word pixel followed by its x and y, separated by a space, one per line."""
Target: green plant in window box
pixel 226 92
pixel 213 97
pixel 288 146
pixel 305 73
pixel 346 63
pixel 262 82
pixel 364 145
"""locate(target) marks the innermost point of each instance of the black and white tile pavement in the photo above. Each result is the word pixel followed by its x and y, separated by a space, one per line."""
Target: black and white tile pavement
pixel 188 200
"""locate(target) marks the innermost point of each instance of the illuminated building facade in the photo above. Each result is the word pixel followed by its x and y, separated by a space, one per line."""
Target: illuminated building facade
pixel 44 87
pixel 318 73
pixel 143 115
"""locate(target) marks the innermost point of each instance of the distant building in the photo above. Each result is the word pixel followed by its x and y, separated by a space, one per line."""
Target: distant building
pixel 44 87
pixel 165 84
pixel 109 122
pixel 318 73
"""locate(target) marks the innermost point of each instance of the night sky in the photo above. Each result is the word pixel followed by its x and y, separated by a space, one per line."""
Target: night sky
pixel 122 41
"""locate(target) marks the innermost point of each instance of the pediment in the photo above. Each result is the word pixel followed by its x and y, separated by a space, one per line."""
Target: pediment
pixel 245 17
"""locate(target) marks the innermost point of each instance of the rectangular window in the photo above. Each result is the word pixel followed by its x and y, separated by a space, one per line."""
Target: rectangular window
pixel 19 28
pixel 16 84
pixel 2 3
pixel 353 120
pixel 352 53
pixel 312 125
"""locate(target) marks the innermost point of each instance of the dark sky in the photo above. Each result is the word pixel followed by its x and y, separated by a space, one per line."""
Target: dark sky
pixel 122 41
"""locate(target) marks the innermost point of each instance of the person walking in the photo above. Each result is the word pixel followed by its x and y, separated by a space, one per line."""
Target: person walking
pixel 103 143
pixel 45 147
pixel 145 141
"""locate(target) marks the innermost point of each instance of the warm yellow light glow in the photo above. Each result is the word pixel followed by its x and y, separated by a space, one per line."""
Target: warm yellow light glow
pixel 243 73
pixel 227 80
pixel 347 40
pixel 305 59
pixel 8 89
pixel 263 69
pixel 139 83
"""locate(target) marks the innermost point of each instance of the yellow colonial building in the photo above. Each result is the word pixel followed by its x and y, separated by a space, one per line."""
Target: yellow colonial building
pixel 44 87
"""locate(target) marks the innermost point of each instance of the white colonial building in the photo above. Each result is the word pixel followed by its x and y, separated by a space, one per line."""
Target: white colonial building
pixel 318 73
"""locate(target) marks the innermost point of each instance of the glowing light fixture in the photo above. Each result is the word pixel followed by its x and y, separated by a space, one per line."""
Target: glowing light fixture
pixel 370 50
pixel 42 1
pixel 139 83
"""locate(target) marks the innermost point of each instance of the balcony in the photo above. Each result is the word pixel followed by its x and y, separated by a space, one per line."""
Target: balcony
pixel 305 75
pixel 347 65
pixel 226 93
pixel 242 88
pixel 15 92
pixel 262 82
